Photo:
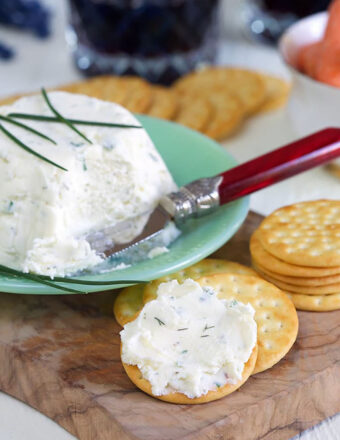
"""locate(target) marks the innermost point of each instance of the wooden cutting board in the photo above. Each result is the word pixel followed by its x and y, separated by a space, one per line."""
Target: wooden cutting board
pixel 61 356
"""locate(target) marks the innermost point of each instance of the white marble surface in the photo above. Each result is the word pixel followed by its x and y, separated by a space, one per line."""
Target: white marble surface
pixel 47 63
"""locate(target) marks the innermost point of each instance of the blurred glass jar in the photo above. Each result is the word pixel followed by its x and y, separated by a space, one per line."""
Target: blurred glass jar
pixel 159 40
pixel 268 19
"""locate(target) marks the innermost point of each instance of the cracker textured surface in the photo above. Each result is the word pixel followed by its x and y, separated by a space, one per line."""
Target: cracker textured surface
pixel 139 94
pixel 164 103
pixel 309 290
pixel 246 85
pixel 298 281
pixel 205 267
pixel 263 258
pixel 227 115
pixel 275 314
pixel 194 112
pixel 305 234
pixel 128 304
pixel 105 87
pixel 136 377
pixel 132 92
pixel 277 93
pixel 316 303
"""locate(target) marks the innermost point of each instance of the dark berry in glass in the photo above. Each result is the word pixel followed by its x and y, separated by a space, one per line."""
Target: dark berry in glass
pixel 157 39
pixel 268 19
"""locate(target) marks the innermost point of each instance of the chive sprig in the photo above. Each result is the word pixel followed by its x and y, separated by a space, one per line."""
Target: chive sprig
pixel 43 279
pixel 28 149
pixel 27 127
pixel 58 118
pixel 53 119
pixel 61 117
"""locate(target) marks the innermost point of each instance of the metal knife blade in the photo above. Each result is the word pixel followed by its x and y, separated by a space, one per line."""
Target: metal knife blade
pixel 193 200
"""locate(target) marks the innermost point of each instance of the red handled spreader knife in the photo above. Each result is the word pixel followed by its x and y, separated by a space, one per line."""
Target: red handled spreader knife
pixel 205 195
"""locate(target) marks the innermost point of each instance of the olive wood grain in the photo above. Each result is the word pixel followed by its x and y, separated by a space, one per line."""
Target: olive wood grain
pixel 60 354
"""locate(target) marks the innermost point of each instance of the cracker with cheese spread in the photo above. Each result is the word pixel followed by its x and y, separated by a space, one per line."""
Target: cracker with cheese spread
pixel 128 304
pixel 136 377
pixel 275 314
pixel 202 268
pixel 189 345
pixel 130 300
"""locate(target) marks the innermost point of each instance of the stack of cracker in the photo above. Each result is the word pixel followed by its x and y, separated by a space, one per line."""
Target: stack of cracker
pixel 214 101
pixel 275 315
pixel 297 248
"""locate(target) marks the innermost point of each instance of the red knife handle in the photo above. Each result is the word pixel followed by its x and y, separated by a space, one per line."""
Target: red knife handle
pixel 279 164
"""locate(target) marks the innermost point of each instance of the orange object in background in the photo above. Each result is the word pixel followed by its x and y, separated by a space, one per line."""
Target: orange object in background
pixel 308 58
pixel 332 32
pixel 321 60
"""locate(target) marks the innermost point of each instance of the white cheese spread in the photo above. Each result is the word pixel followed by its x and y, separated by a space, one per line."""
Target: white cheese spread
pixel 189 341
pixel 45 212
pixel 159 250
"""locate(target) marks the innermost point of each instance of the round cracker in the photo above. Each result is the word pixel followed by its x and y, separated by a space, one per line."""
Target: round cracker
pixel 298 281
pixel 164 103
pixel 263 258
pixel 204 267
pixel 305 234
pixel 106 87
pixel 139 96
pixel 315 303
pixel 246 85
pixel 308 290
pixel 131 92
pixel 194 112
pixel 136 377
pixel 128 304
pixel 277 93
pixel 227 115
pixel 275 314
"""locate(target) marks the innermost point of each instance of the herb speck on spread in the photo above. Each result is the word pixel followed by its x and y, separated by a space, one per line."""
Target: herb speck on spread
pixel 160 322
pixel 10 207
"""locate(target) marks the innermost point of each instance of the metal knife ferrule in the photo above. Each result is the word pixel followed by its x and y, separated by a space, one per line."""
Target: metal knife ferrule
pixel 193 200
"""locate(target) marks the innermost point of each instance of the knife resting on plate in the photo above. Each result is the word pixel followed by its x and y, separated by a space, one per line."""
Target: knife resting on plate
pixel 205 195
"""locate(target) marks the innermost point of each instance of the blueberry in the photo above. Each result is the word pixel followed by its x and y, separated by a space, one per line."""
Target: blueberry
pixel 5 52
pixel 26 15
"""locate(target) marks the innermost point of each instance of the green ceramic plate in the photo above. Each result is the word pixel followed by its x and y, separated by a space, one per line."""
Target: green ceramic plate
pixel 189 156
